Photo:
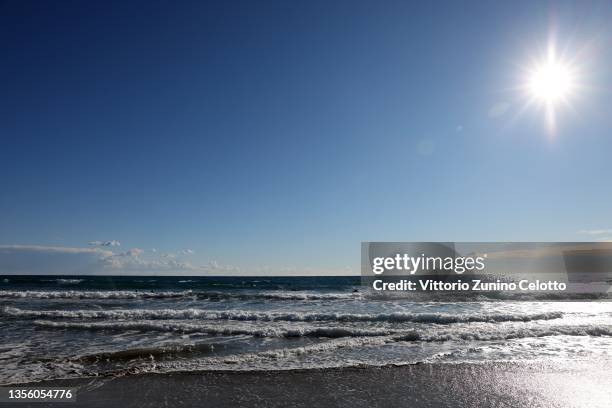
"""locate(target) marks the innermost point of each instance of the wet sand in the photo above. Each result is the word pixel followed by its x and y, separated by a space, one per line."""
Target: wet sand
pixel 558 384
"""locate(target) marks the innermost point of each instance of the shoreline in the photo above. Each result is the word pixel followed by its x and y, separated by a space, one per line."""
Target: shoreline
pixel 486 384
pixel 277 371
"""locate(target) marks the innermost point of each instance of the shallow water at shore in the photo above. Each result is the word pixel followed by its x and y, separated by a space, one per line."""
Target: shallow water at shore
pixel 535 384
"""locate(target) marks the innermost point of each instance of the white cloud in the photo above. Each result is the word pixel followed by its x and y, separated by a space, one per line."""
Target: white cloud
pixel 177 254
pixel 50 260
pixel 132 252
pixel 129 264
pixel 47 260
pixel 51 249
pixel 110 243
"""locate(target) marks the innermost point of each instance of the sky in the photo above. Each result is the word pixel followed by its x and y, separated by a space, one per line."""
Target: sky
pixel 273 137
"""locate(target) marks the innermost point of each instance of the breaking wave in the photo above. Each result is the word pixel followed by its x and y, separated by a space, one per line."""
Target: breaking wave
pixel 462 333
pixel 85 294
pixel 332 332
pixel 240 315
pixel 135 294
pixel 69 281
pixel 471 333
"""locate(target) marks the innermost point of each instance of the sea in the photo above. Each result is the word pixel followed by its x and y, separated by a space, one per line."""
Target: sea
pixel 57 327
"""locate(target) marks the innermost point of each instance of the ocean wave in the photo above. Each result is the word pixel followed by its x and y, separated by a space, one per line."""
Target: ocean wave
pixel 186 349
pixel 153 359
pixel 298 296
pixel 463 333
pixel 454 297
pixel 146 360
pixel 260 360
pixel 134 294
pixel 164 350
pixel 288 352
pixel 476 334
pixel 241 315
pixel 85 294
pixel 332 332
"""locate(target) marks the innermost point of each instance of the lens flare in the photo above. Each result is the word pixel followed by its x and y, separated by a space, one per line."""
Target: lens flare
pixel 550 83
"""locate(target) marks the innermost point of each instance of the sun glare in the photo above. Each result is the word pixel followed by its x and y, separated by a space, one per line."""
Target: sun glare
pixel 551 82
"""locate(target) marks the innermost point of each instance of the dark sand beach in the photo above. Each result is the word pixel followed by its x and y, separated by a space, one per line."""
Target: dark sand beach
pixel 557 384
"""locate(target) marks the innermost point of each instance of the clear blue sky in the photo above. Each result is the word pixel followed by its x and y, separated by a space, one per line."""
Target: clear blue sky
pixel 276 136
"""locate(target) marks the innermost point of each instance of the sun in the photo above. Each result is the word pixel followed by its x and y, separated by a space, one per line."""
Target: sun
pixel 550 83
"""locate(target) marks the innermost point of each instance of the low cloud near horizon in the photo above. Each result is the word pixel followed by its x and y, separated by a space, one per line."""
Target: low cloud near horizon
pixel 110 243
pixel 101 260
pixel 49 260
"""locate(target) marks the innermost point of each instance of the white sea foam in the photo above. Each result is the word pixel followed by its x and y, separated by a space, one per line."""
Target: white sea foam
pixel 275 358
pixel 135 294
pixel 281 353
pixel 460 333
pixel 501 333
pixel 309 356
pixel 279 358
pixel 219 328
pixel 86 294
pixel 283 331
pixel 191 313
